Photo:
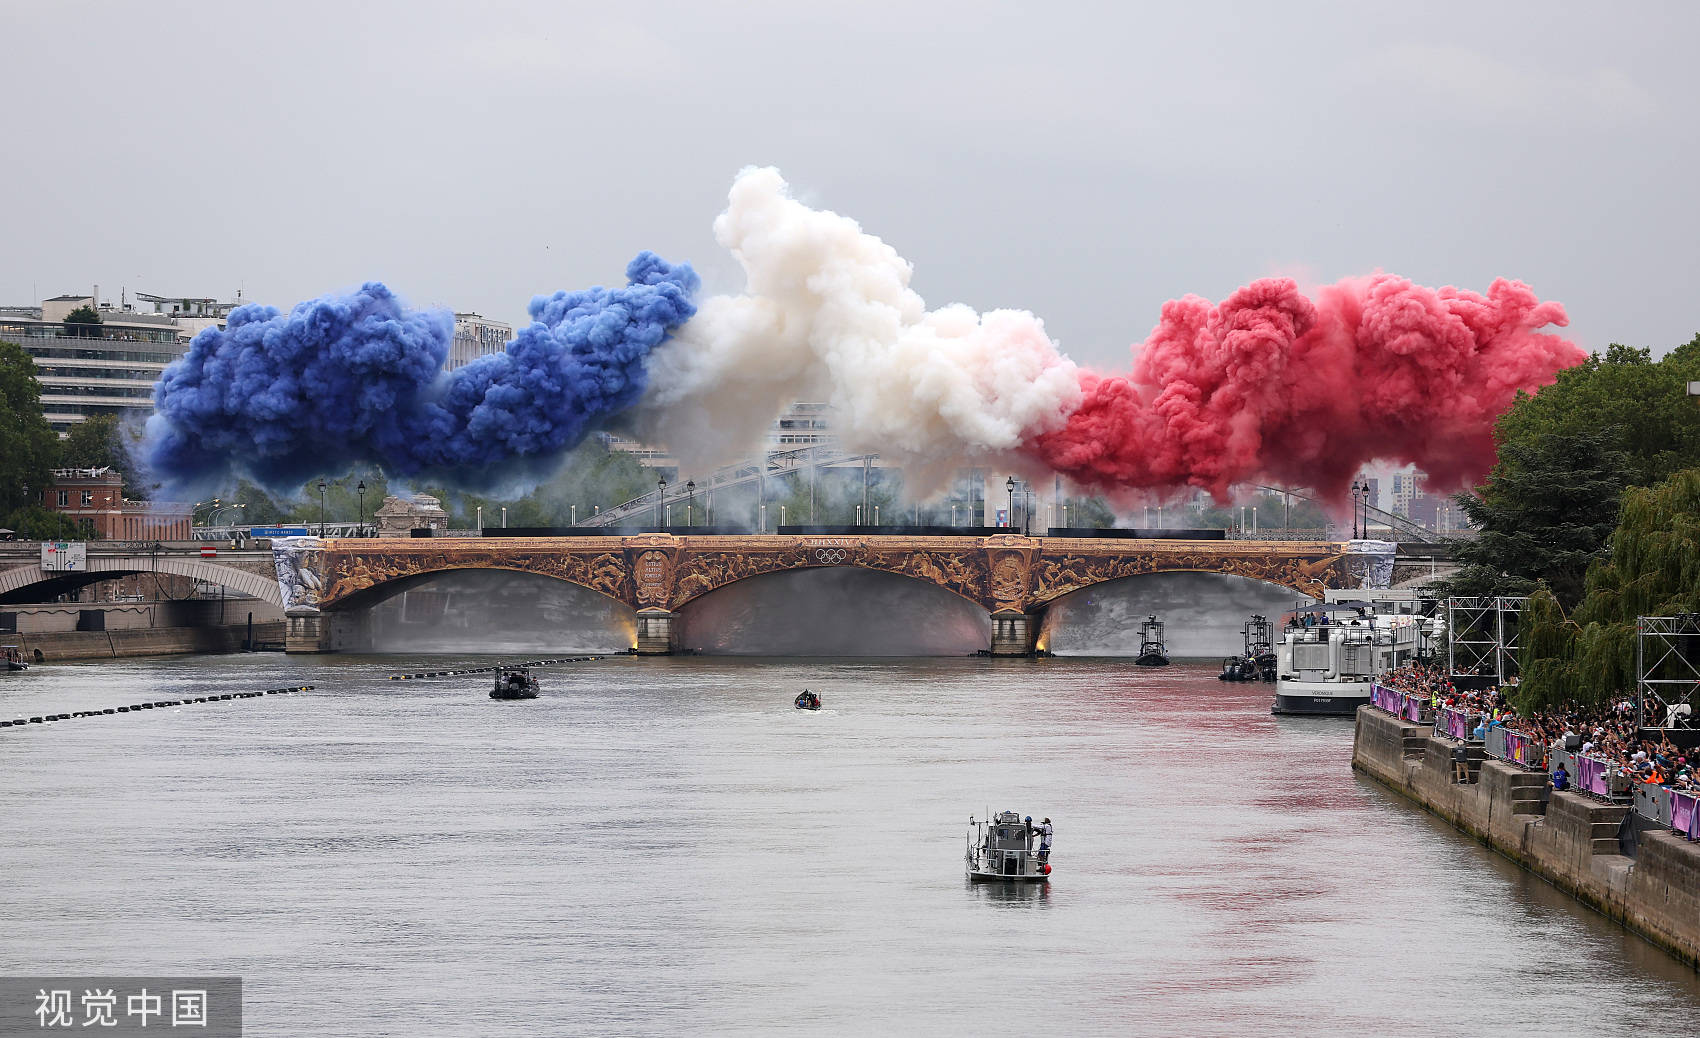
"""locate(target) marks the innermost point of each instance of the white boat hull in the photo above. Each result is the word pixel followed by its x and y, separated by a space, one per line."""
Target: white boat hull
pixel 1325 698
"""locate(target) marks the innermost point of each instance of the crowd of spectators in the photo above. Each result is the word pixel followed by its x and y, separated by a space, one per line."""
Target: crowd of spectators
pixel 1607 732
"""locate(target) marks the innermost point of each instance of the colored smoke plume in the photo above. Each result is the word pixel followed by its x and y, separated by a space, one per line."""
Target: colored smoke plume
pixel 1272 386
pixel 340 380
pixel 827 315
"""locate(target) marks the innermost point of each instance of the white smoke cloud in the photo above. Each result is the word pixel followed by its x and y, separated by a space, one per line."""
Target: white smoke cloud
pixel 827 315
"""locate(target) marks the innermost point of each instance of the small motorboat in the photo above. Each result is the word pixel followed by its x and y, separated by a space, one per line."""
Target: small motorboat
pixel 1001 850
pixel 14 658
pixel 514 683
pixel 1152 651
pixel 807 700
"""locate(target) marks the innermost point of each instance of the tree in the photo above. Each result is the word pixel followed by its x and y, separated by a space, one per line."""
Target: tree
pixel 86 321
pixel 1545 514
pixel 28 447
pixel 1653 569
pixel 93 443
pixel 1642 405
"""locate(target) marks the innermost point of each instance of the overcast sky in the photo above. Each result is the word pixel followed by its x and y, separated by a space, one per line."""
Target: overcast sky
pixel 1084 162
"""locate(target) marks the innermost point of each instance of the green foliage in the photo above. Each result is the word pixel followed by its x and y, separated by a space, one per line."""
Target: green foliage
pixel 86 321
pixel 28 447
pixel 1640 405
pixel 1544 514
pixel 1653 569
pixel 38 523
pixel 92 443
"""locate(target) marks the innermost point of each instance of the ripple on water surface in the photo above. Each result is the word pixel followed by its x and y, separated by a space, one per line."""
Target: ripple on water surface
pixel 665 845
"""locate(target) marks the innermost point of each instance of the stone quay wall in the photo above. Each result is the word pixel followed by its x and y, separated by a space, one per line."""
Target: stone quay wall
pixel 1570 840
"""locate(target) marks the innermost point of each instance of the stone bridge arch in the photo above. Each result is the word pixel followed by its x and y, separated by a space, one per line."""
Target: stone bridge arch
pixel 13 582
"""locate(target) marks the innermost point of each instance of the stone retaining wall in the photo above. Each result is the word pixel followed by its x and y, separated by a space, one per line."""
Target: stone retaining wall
pixel 1572 841
pixel 156 641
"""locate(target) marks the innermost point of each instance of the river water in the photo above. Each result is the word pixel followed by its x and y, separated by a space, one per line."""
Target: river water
pixel 665 846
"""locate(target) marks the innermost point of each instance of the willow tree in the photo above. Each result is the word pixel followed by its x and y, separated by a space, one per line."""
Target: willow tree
pixel 1652 569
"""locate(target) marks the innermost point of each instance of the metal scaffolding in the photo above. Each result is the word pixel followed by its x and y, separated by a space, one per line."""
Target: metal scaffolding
pixel 1483 636
pixel 1667 670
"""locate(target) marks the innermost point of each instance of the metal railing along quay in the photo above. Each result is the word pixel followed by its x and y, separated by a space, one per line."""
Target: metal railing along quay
pixel 1656 804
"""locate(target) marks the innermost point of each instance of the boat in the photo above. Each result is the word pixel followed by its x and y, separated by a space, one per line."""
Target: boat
pixel 514 683
pixel 1152 651
pixel 1001 851
pixel 1257 661
pixel 1331 653
pixel 807 700
pixel 14 658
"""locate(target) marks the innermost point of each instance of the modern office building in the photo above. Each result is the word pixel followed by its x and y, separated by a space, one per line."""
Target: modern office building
pixel 476 336
pixel 88 369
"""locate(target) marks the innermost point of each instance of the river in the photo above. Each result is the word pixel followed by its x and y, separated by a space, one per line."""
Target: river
pixel 665 846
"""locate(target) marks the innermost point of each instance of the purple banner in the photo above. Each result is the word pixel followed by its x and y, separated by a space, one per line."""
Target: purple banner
pixel 1457 722
pixel 1413 708
pixel 1591 774
pixel 1523 750
pixel 1685 814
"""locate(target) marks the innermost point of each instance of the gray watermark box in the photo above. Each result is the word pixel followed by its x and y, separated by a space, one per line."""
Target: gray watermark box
pixel 121 1006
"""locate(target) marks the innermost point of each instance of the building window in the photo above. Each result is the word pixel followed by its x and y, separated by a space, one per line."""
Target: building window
pixel 88 498
pixel 64 499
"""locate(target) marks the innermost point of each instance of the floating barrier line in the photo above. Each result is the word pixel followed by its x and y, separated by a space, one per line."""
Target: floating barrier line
pixel 486 670
pixel 155 705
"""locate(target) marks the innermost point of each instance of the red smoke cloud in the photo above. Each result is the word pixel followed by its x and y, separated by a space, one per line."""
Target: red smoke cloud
pixel 1270 386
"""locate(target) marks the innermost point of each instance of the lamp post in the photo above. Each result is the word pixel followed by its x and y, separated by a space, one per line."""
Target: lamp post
pixel 480 520
pixel 572 515
pixel 781 515
pixel 1009 485
pixel 321 509
pixel 1356 489
pixel 876 515
pixel 690 500
pixel 953 515
pixel 504 517
pixel 660 493
pixel 360 488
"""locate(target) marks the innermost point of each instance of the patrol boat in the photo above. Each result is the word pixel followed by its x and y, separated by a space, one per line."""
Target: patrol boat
pixel 514 683
pixel 1002 851
pixel 1330 654
pixel 1152 651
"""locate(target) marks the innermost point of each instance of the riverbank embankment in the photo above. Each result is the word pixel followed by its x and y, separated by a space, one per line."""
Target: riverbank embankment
pixel 1570 839
pixel 142 641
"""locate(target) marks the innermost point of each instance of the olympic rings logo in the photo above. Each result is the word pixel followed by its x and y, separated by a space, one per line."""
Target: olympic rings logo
pixel 831 556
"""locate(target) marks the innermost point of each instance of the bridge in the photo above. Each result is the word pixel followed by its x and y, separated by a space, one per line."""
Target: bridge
pixel 251 572
pixel 327 584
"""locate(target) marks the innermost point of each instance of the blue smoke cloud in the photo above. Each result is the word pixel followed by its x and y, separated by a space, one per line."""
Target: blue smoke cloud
pixel 340 380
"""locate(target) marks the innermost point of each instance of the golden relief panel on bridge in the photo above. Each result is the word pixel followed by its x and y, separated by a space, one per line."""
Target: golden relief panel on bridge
pixel 347 573
pixel 700 572
pixel 1057 575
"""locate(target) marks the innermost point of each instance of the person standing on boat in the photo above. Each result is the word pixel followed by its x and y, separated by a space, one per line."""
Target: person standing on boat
pixel 1044 830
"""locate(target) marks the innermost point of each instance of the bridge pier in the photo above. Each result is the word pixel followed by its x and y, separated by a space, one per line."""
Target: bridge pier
pixel 657 632
pixel 1014 633
pixel 304 633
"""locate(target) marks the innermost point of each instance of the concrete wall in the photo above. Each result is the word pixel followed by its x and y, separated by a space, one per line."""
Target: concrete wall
pixel 155 641
pixel 60 618
pixel 1572 842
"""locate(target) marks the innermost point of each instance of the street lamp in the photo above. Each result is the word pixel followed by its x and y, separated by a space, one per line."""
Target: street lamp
pixel 321 509
pixel 504 517
pixel 660 494
pixel 1356 490
pixel 1009 485
pixel 360 488
pixel 690 500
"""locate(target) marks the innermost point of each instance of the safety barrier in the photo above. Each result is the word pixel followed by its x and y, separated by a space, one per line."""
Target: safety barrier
pixel 155 705
pixel 1413 708
pixel 1455 723
pixel 486 670
pixel 1515 748
pixel 1685 813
